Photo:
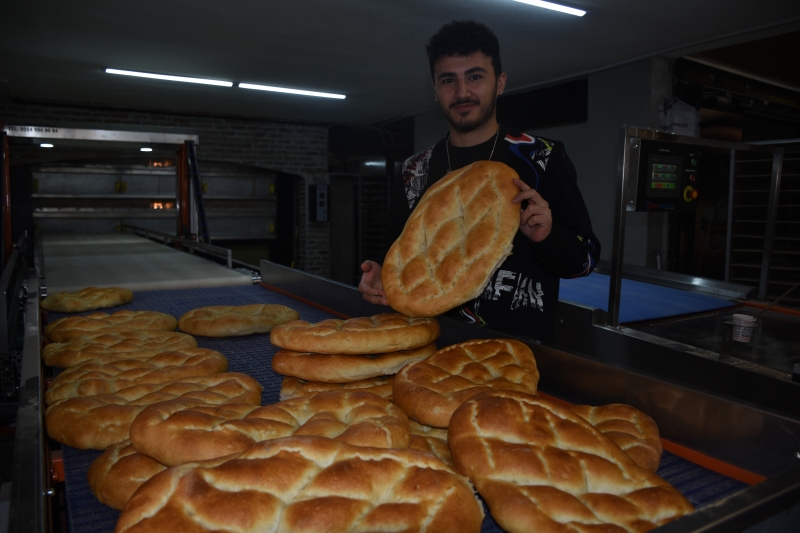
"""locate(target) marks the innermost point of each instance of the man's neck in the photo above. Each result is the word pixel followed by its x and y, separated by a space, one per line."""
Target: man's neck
pixel 474 137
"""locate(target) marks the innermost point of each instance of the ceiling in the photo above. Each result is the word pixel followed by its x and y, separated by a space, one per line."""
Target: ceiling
pixel 371 50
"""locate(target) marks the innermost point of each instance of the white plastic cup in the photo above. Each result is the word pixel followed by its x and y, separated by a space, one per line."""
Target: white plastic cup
pixel 743 327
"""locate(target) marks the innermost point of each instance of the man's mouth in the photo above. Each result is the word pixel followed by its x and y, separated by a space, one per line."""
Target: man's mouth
pixel 463 106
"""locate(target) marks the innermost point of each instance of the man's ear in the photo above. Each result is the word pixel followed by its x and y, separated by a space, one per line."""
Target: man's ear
pixel 501 83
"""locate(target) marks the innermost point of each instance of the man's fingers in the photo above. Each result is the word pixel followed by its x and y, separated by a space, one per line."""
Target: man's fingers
pixel 533 197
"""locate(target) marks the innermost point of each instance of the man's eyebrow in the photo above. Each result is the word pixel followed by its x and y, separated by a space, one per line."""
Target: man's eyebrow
pixel 466 72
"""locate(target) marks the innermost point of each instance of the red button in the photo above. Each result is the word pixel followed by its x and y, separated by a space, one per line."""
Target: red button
pixel 692 177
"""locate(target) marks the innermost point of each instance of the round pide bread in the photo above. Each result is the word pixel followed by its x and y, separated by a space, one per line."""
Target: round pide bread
pixel 87 299
pixel 342 368
pixel 70 327
pixel 460 232
pixel 630 429
pixel 541 467
pixel 292 387
pixel 109 375
pixel 172 433
pixel 125 344
pixel 307 484
pixel 235 320
pixel 377 334
pixel 429 391
pixel 118 472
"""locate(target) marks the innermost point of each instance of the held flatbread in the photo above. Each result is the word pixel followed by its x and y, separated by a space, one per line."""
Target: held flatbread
pixel 87 299
pixel 127 344
pixel 630 429
pixel 541 467
pixel 431 390
pixel 173 434
pixel 70 327
pixel 460 232
pixel 297 388
pixel 118 472
pixel 342 368
pixel 364 335
pixel 109 375
pixel 235 320
pixel 305 485
pixel 95 422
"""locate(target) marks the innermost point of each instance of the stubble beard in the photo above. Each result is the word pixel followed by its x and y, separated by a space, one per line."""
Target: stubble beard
pixel 466 126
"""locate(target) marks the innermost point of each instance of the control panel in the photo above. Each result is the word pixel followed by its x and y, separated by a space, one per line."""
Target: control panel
pixel 667 176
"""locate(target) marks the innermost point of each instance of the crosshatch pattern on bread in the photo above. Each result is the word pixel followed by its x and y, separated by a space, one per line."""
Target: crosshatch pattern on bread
pixel 94 422
pixel 292 387
pixel 116 474
pixel 339 368
pixel 307 484
pixel 128 344
pixel 87 299
pixel 235 320
pixel 70 327
pixel 109 375
pixel 383 333
pixel 541 467
pixel 460 233
pixel 431 390
pixel 173 434
pixel 630 429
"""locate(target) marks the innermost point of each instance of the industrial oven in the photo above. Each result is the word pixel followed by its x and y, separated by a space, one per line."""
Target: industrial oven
pixel 736 460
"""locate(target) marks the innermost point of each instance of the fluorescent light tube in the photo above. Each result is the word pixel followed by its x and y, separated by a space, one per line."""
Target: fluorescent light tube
pixel 291 91
pixel 169 78
pixel 46 145
pixel 554 7
pixel 145 149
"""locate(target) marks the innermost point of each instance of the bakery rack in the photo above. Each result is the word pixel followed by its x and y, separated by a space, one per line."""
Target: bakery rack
pixel 735 460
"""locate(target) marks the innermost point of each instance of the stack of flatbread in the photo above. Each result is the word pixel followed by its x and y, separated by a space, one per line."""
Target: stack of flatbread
pixel 359 353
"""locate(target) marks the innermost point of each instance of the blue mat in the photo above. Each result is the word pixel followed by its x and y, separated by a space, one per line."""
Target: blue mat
pixel 253 355
pixel 638 301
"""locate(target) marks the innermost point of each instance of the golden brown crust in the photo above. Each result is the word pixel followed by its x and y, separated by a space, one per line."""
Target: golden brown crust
pixel 235 320
pixel 173 433
pixel 95 422
pixel 541 467
pixel 87 299
pixel 456 237
pixel 630 429
pixel 431 390
pixel 70 327
pixel 126 344
pixel 431 440
pixel 109 375
pixel 342 368
pixel 364 335
pixel 307 484
pixel 296 388
pixel 118 472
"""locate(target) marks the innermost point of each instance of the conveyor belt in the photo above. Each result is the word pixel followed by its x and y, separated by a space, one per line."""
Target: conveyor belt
pixel 73 262
pixel 253 354
pixel 638 300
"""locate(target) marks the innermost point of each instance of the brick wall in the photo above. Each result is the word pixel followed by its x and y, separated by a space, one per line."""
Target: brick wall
pixel 299 149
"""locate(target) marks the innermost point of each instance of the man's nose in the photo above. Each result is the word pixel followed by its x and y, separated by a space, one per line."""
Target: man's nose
pixel 461 89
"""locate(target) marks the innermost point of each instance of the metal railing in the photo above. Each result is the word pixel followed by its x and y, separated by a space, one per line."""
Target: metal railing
pixel 192 245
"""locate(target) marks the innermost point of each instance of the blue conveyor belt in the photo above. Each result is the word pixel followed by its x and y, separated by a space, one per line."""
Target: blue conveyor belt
pixel 253 355
pixel 638 301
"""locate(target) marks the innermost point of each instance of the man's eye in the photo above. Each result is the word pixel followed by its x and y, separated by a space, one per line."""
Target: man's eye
pixel 476 77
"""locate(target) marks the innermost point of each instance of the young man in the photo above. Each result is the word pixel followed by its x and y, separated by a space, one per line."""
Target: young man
pixel 555 238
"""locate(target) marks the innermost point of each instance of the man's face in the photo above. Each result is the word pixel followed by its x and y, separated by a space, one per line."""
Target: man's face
pixel 467 90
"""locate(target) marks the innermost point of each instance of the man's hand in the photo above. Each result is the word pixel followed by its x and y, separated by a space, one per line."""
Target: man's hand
pixel 370 286
pixel 536 220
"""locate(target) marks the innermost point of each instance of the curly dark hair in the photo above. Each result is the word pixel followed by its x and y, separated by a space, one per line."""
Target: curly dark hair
pixel 463 38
